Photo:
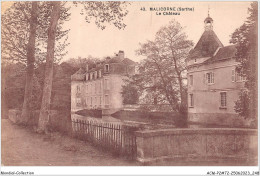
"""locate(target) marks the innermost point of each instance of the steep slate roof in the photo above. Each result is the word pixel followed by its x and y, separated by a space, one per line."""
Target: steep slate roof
pixel 223 53
pixel 128 61
pixel 114 60
pixel 206 46
pixel 81 72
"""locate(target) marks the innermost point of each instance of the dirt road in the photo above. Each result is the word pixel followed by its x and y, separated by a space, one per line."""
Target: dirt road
pixel 23 147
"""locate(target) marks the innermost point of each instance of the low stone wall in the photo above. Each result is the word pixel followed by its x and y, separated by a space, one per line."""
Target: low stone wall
pixel 228 119
pixel 207 144
pixel 60 121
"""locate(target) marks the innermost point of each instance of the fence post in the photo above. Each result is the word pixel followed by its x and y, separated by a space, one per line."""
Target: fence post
pixel 80 129
pixel 77 127
pixel 121 133
pixel 88 130
pixel 84 130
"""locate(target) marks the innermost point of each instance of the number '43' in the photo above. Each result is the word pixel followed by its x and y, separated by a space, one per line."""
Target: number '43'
pixel 142 8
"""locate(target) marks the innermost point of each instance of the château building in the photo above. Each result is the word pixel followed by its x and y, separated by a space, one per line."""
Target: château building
pixel 100 87
pixel 213 84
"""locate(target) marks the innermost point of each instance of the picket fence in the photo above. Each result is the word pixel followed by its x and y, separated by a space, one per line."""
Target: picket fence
pixel 115 137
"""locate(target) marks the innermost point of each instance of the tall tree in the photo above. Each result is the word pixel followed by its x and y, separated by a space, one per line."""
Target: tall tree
pixel 162 72
pixel 30 63
pixel 82 62
pixel 46 98
pixel 16 28
pixel 245 39
pixel 110 12
pixel 24 39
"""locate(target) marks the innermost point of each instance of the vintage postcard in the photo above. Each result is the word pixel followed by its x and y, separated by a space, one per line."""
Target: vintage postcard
pixel 129 83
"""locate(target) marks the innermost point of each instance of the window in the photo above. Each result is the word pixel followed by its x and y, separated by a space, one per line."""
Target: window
pixel 223 99
pixel 87 77
pixel 78 89
pixel 100 87
pixel 91 102
pixel 106 68
pixel 191 80
pixel 96 76
pixel 78 101
pixel 99 73
pixel 106 84
pixel 236 77
pixel 210 78
pixel 233 75
pixel 240 78
pixel 87 89
pixel 100 101
pixel 195 60
pixel 106 100
pixel 191 100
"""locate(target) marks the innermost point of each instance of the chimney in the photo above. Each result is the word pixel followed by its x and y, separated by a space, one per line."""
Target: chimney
pixel 121 54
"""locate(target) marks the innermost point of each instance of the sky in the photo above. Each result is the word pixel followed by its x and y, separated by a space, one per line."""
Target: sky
pixel 86 39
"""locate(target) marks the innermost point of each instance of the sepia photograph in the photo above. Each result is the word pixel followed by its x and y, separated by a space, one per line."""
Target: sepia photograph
pixel 129 83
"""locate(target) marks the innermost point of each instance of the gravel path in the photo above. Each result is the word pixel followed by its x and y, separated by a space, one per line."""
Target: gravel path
pixel 23 147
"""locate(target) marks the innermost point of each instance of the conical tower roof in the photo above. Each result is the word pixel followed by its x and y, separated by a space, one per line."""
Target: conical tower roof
pixel 207 45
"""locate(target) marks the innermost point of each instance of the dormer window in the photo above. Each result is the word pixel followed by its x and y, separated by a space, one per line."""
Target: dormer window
pixel 107 68
pixel 195 60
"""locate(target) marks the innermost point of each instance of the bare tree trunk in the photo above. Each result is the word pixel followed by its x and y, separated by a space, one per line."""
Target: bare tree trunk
pixel 46 98
pixel 30 64
pixel 183 104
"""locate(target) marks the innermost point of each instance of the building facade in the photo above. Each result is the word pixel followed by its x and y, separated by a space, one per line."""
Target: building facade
pixel 213 84
pixel 100 87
